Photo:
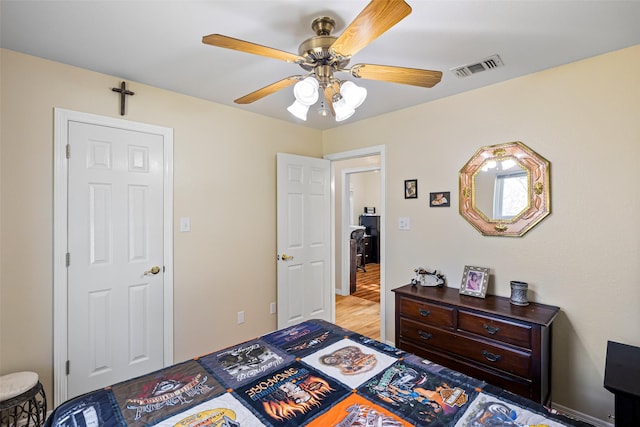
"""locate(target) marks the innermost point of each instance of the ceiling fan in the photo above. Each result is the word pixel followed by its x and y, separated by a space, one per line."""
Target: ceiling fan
pixel 324 54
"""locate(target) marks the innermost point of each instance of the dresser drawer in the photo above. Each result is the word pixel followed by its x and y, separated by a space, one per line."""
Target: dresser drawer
pixel 507 360
pixel 517 385
pixel 493 356
pixel 497 329
pixel 423 334
pixel 425 312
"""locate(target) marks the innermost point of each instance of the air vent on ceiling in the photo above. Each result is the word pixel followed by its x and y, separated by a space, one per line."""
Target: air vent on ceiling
pixel 486 64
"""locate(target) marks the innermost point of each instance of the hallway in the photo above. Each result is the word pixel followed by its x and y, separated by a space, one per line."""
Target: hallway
pixel 360 312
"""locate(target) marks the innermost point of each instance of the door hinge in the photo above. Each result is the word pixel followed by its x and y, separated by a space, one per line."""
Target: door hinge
pixel 67 367
pixel 67 259
pixel 68 151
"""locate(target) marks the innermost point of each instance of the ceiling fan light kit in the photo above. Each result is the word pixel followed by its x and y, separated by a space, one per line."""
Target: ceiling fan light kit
pixel 345 102
pixel 324 55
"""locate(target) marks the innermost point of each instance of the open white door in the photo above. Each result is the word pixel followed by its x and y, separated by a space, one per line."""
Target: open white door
pixel 304 239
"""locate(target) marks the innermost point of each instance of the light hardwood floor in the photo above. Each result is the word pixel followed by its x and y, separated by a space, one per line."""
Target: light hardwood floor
pixel 360 314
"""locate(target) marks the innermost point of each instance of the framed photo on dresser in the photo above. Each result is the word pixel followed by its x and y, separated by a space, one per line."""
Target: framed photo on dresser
pixel 474 281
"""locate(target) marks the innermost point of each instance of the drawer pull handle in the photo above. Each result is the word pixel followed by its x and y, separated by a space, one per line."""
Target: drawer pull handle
pixel 424 313
pixel 491 329
pixel 491 357
pixel 425 335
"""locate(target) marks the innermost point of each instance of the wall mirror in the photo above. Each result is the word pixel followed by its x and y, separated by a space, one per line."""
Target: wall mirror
pixel 504 189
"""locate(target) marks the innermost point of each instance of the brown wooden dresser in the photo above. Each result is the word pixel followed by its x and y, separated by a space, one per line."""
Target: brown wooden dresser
pixel 488 338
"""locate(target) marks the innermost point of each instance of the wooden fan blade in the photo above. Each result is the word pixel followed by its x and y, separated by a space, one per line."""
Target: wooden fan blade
pixel 376 18
pixel 403 75
pixel 267 90
pixel 243 46
pixel 328 96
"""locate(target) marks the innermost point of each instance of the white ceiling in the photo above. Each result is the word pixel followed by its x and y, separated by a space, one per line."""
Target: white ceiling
pixel 158 43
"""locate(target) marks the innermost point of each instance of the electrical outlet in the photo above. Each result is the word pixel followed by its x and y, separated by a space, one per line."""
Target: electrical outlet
pixel 272 308
pixel 240 317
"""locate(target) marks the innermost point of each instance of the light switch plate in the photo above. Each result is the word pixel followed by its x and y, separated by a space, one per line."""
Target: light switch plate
pixel 404 223
pixel 185 224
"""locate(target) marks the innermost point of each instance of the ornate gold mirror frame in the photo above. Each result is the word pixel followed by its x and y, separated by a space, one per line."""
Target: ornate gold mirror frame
pixel 481 203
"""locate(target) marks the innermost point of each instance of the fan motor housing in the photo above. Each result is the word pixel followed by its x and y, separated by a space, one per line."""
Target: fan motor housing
pixel 317 49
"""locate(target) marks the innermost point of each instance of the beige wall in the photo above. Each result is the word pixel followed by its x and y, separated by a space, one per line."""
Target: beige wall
pixel 224 180
pixel 366 192
pixel 584 118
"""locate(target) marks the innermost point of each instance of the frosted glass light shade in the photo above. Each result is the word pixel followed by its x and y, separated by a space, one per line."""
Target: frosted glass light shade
pixel 343 110
pixel 299 110
pixel 353 94
pixel 306 91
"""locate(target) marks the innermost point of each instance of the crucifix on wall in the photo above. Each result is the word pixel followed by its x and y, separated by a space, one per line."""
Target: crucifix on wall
pixel 123 91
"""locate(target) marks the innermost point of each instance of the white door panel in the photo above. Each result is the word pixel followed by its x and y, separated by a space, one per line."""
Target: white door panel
pixel 115 327
pixel 303 203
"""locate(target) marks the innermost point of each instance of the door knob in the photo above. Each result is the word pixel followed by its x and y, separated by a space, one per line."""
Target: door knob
pixel 286 257
pixel 154 270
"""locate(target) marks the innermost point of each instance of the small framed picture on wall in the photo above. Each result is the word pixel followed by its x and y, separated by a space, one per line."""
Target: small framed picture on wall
pixel 411 189
pixel 441 199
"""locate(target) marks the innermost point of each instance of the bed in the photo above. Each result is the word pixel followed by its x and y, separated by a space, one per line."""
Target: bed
pixel 311 374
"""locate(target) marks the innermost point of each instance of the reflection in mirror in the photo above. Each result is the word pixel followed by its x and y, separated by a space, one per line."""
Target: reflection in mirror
pixel 504 189
pixel 501 188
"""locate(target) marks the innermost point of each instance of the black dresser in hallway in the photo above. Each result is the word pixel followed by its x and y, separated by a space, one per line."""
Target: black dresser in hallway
pixel 372 239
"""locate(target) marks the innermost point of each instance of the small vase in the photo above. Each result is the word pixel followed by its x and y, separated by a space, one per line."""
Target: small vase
pixel 519 293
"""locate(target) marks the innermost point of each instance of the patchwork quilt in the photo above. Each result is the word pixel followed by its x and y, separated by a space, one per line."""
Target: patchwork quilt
pixel 312 374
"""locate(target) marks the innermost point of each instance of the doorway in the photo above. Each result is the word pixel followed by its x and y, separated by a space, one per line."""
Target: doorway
pixel 358 182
